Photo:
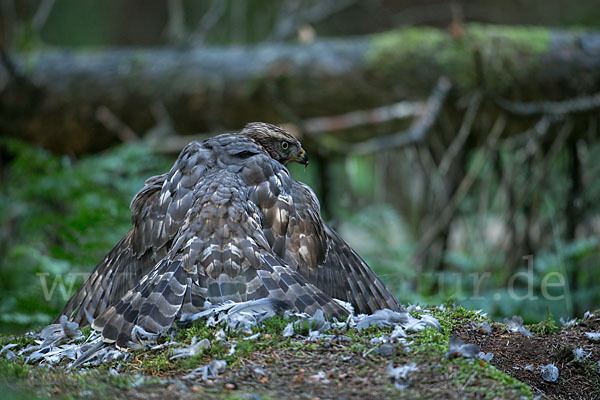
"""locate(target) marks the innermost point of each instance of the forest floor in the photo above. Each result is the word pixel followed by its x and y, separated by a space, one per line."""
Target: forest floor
pixel 343 363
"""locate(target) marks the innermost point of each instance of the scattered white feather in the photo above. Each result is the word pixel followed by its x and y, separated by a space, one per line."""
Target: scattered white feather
pixel 211 370
pixel 549 373
pixel 515 324
pixel 54 334
pixel 220 335
pixel 400 376
pixel 346 305
pixel 458 348
pixel 195 348
pixel 568 323
pixel 580 354
pixel 595 336
pixel 389 318
pixel 482 327
pixel 288 330
pixel 485 356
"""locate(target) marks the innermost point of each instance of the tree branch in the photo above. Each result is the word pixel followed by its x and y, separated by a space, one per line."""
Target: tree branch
pixel 569 106
pixel 417 131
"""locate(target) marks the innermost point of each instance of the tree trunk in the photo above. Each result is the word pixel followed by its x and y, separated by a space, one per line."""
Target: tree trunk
pixel 52 97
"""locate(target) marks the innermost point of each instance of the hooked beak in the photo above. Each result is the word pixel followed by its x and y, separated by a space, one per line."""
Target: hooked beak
pixel 302 158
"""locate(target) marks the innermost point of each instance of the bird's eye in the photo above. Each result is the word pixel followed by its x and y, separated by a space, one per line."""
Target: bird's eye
pixel 285 145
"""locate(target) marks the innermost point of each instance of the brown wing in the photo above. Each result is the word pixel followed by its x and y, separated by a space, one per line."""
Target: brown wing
pixel 227 248
pixel 326 260
pixel 158 211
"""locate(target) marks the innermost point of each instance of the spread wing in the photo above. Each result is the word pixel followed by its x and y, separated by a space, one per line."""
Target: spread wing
pixel 326 260
pixel 226 223
pixel 228 247
pixel 158 211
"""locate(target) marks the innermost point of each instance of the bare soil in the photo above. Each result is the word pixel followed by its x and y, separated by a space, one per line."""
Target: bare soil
pixel 521 357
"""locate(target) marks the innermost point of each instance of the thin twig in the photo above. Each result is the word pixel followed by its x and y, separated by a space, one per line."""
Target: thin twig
pixel 238 18
pixel 42 14
pixel 164 126
pixel 417 131
pixel 292 15
pixel 175 21
pixel 463 133
pixel 539 174
pixel 538 131
pixel 214 14
pixel 577 104
pixel 9 20
pixel 463 188
pixel 400 110
pixel 114 124
pixel 173 143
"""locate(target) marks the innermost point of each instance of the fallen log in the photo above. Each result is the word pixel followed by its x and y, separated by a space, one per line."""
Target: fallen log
pixel 52 97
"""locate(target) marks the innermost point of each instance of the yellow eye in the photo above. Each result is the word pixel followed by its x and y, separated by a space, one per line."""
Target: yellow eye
pixel 285 145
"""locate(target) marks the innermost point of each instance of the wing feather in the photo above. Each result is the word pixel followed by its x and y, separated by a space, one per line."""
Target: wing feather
pixel 227 222
pixel 336 269
pixel 147 242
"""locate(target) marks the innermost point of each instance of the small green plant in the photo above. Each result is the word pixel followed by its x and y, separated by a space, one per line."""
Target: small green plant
pixel 546 326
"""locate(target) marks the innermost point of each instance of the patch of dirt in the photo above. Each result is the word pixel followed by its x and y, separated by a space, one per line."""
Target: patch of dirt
pixel 331 374
pixel 522 358
pixel 330 370
pixel 344 364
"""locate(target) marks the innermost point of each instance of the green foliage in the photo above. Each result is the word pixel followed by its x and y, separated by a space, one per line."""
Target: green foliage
pixel 58 217
pixel 13 369
pixel 546 326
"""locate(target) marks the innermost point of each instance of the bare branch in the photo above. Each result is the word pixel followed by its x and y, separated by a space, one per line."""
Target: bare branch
pixel 173 143
pixel 292 15
pixel 463 133
pixel 237 25
pixel 42 14
pixel 574 105
pixel 463 188
pixel 9 21
pixel 114 124
pixel 400 110
pixel 209 20
pixel 164 126
pixel 175 21
pixel 538 131
pixel 417 131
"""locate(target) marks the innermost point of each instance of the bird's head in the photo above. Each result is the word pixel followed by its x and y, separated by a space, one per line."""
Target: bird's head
pixel 278 143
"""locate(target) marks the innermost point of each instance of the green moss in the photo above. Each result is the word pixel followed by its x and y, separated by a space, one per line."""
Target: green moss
pixel 273 325
pixel 198 329
pixel 156 364
pixel 505 52
pixel 483 371
pixel 430 347
pixel 21 341
pixel 13 369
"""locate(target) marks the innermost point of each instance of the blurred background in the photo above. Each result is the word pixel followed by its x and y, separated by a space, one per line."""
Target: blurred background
pixel 453 144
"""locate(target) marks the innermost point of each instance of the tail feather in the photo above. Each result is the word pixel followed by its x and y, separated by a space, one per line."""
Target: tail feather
pixel 150 307
pixel 284 284
pixel 270 278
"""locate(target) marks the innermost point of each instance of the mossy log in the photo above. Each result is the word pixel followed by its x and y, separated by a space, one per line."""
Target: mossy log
pixel 52 96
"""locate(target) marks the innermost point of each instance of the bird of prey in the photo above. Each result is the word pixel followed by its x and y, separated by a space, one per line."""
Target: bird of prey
pixel 227 222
